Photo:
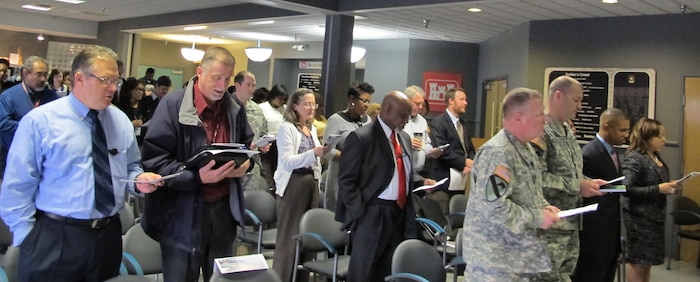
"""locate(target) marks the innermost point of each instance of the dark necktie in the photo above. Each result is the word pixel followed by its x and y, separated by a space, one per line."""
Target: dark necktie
pixel 104 193
pixel 616 161
pixel 401 200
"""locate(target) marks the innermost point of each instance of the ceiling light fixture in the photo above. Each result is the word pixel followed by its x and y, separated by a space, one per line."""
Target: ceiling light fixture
pixel 609 1
pixel 357 53
pixel 196 27
pixel 37 7
pixel 258 54
pixel 192 54
pixel 71 1
pixel 474 10
pixel 40 37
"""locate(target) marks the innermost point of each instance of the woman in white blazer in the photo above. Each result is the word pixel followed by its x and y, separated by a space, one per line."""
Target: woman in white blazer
pixel 296 178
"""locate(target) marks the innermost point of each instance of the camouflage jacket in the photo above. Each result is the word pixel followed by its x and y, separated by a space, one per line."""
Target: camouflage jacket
pixel 561 163
pixel 505 209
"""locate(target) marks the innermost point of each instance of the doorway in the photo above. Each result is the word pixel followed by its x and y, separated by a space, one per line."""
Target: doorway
pixel 495 92
pixel 691 156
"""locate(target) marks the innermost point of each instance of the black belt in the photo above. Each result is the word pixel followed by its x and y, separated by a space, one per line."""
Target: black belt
pixel 303 171
pixel 97 223
pixel 383 202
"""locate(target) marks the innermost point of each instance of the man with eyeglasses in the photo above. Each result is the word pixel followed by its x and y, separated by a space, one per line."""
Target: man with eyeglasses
pixel 63 192
pixel 18 100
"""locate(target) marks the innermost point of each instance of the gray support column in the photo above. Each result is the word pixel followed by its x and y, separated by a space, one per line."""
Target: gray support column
pixel 336 62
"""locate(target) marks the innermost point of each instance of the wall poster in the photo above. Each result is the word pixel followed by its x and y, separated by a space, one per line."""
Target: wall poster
pixel 311 81
pixel 436 84
pixel 631 90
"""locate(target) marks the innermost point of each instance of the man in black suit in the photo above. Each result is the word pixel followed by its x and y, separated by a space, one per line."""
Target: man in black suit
pixel 600 236
pixel 450 128
pixel 374 188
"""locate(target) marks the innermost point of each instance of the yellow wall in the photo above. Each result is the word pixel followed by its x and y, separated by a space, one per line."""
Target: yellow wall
pixel 158 53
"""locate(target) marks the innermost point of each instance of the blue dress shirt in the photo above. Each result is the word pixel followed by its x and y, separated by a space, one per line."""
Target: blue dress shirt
pixel 51 164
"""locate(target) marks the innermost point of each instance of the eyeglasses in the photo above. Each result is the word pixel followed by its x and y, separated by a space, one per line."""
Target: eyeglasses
pixel 364 101
pixel 310 106
pixel 106 81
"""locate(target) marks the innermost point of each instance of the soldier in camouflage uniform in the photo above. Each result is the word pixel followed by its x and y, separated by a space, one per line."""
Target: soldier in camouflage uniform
pixel 244 82
pixel 503 236
pixel 561 163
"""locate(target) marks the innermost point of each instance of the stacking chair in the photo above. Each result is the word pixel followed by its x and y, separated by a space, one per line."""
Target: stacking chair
pixel 319 232
pixel 439 237
pixel 457 207
pixel 10 262
pixel 126 216
pixel 144 250
pixel 457 263
pixel 685 212
pixel 405 264
pixel 261 212
pixel 5 236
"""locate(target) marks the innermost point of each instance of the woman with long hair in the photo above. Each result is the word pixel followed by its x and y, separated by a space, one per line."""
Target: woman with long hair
pixel 132 104
pixel 647 180
pixel 296 178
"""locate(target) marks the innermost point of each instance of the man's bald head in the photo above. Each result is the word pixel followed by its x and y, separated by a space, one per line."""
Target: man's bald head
pixel 614 126
pixel 396 108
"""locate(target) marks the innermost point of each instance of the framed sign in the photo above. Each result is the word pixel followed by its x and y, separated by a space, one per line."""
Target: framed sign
pixel 631 90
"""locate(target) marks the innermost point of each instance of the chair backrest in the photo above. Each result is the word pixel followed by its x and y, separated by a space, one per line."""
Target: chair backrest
pixel 459 243
pixel 10 262
pixel 458 203
pixel 126 216
pixel 268 275
pixel 429 266
pixel 321 222
pixel 262 204
pixel 5 235
pixel 144 249
pixel 685 211
pixel 430 209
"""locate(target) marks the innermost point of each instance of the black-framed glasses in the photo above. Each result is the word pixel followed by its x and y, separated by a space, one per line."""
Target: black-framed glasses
pixel 106 81
pixel 364 101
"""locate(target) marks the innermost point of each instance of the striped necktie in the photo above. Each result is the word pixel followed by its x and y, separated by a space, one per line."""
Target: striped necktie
pixel 104 192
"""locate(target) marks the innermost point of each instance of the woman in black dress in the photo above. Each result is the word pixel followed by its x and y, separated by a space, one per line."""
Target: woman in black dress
pixel 644 204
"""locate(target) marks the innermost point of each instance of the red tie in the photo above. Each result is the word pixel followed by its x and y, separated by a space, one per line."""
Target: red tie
pixel 401 200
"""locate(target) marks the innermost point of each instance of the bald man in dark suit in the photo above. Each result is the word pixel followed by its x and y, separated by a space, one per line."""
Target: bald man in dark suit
pixel 600 236
pixel 374 190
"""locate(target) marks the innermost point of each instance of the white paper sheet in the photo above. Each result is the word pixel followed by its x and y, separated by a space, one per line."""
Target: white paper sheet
pixel 241 263
pixel 614 180
pixel 426 187
pixel 588 208
pixel 153 181
pixel 689 176
pixel 458 181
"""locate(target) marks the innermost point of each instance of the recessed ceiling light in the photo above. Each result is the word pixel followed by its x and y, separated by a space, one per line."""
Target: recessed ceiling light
pixel 261 22
pixel 71 1
pixel 196 27
pixel 474 10
pixel 358 17
pixel 37 7
pixel 609 1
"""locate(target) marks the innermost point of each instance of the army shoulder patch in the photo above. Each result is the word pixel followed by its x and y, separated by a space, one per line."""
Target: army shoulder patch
pixel 497 183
